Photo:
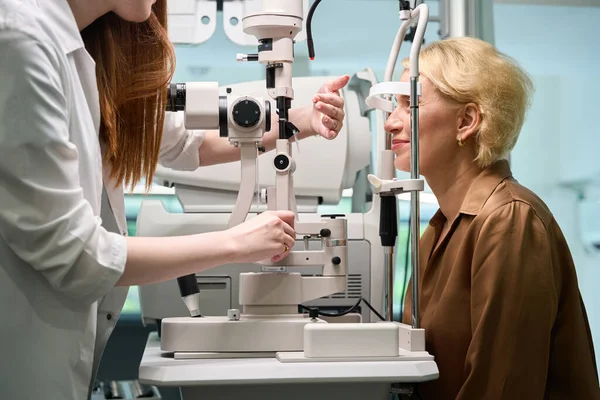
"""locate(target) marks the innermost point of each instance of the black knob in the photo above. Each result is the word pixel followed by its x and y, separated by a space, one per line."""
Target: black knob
pixel 246 113
pixel 336 260
pixel 281 162
pixel 228 90
pixel 333 216
pixel 325 232
pixel 313 312
pixel 188 285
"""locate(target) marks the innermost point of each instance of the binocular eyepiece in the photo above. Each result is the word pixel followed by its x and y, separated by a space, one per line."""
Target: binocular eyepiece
pixel 176 97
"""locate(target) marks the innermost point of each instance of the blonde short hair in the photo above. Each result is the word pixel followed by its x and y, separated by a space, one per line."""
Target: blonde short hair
pixel 470 70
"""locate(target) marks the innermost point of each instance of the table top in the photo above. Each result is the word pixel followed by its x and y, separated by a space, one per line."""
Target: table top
pixel 161 369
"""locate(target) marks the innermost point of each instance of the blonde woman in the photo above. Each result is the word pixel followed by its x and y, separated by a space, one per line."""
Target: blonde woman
pixel 498 292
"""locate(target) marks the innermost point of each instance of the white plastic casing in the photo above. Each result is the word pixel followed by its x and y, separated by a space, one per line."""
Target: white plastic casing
pixel 351 340
pixel 219 334
pixel 202 105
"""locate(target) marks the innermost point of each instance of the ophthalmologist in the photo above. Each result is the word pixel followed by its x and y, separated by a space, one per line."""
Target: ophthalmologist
pixel 82 100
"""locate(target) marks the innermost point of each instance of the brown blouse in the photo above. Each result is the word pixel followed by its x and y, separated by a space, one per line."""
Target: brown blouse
pixel 499 300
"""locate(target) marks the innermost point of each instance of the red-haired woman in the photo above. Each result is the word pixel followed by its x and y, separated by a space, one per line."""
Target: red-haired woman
pixel 82 99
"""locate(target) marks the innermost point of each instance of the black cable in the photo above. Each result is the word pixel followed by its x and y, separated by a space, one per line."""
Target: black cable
pixel 309 39
pixel 373 309
pixel 340 314
pixel 345 312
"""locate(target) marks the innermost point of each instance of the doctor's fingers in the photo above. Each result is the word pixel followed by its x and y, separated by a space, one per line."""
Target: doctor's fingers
pixel 332 112
pixel 288 230
pixel 285 239
pixel 332 124
pixel 279 235
pixel 285 248
pixel 333 99
pixel 335 84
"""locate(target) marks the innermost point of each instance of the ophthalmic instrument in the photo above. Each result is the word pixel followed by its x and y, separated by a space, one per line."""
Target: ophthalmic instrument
pixel 269 320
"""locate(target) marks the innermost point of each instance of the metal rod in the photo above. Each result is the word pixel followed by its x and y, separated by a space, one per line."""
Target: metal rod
pixel 389 264
pixel 414 198
pixel 388 292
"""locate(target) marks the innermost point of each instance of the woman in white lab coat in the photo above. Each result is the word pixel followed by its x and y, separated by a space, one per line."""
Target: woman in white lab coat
pixel 65 131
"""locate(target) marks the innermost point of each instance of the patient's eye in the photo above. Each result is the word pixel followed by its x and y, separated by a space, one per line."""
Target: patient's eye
pixel 402 101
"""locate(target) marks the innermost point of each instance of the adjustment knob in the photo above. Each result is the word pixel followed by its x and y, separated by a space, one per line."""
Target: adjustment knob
pixel 263 196
pixel 246 113
pixel 325 232
pixel 336 260
pixel 281 162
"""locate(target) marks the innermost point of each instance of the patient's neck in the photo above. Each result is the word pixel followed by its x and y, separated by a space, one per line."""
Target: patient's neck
pixel 450 185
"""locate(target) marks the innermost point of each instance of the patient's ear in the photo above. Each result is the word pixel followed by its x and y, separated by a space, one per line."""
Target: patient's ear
pixel 469 120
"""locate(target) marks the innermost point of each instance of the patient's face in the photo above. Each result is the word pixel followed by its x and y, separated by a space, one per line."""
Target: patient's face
pixel 438 129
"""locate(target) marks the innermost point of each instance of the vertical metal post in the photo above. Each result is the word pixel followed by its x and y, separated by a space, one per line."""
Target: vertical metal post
pixel 388 226
pixel 414 198
pixel 389 271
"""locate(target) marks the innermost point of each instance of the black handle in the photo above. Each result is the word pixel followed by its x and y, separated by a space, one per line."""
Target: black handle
pixel 388 224
pixel 188 285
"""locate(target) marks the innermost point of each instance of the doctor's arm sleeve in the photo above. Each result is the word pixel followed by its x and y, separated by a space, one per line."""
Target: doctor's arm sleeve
pixel 513 307
pixel 44 218
pixel 179 146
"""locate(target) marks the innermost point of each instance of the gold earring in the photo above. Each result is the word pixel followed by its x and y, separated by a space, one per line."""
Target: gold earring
pixel 460 141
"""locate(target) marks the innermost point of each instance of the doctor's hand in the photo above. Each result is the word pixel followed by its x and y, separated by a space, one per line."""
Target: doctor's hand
pixel 268 236
pixel 328 108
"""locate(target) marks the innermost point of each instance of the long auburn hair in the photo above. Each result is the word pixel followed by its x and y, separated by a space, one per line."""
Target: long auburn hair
pixel 134 64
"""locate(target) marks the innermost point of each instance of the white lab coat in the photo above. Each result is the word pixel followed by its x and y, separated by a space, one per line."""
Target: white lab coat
pixel 62 247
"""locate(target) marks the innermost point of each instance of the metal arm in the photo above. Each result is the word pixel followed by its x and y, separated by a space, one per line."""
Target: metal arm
pixel 242 119
pixel 275 26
